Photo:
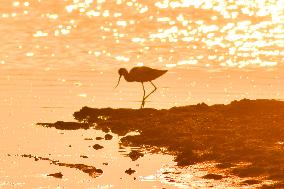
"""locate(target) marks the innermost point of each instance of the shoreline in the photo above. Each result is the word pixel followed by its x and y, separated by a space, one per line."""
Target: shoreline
pixel 245 131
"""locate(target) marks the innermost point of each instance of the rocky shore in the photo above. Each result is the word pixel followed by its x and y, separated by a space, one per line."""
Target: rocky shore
pixel 246 131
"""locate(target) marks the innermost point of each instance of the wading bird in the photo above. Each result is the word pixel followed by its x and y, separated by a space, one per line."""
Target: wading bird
pixel 141 74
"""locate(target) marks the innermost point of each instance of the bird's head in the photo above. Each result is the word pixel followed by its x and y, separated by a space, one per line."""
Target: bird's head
pixel 121 72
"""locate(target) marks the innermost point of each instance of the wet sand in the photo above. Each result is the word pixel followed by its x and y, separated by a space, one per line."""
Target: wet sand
pixel 243 138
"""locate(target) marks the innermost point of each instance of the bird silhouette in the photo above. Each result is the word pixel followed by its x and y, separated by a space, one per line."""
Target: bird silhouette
pixel 141 74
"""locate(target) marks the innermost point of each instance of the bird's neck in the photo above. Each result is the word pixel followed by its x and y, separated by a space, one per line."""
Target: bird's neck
pixel 127 77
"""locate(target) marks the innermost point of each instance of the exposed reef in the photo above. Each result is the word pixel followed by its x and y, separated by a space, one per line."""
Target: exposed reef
pixel 250 131
pixel 61 125
pixel 90 170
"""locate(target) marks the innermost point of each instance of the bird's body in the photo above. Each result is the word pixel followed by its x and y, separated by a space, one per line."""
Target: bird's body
pixel 141 74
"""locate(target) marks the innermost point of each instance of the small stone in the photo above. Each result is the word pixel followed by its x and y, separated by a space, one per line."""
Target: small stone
pixel 108 137
pixel 56 175
pixel 99 171
pixel 97 147
pixel 130 171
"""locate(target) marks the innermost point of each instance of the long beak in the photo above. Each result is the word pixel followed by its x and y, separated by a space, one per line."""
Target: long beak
pixel 118 81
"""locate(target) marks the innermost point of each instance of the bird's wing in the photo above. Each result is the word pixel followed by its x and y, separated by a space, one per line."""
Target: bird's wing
pixel 141 73
pixel 145 73
pixel 141 70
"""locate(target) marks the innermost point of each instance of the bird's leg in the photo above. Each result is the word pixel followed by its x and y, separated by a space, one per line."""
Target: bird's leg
pixel 143 100
pixel 151 92
pixel 153 85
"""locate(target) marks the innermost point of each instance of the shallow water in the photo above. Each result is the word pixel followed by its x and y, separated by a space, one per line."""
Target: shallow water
pixel 56 57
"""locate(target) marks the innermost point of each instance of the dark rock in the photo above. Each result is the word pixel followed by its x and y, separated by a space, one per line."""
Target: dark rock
pixel 97 147
pixel 27 155
pixel 187 157
pixel 99 138
pixel 108 137
pixel 278 185
pixel 130 171
pixel 167 172
pixel 213 176
pixel 105 130
pixel 83 156
pixel 251 181
pixel 277 176
pixel 225 165
pixel 135 154
pixel 56 175
pixel 251 171
pixel 66 125
pixel 88 139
